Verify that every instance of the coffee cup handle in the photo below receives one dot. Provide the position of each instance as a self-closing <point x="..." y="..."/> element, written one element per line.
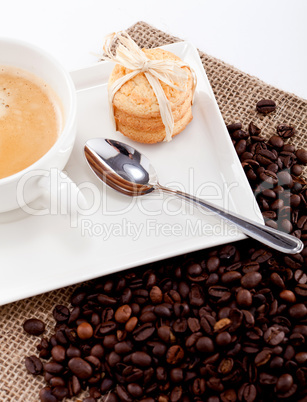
<point x="65" y="196"/>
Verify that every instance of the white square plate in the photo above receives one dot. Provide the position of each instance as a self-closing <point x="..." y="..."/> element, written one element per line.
<point x="41" y="253"/>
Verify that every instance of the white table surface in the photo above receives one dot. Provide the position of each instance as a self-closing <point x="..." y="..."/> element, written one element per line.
<point x="265" y="38"/>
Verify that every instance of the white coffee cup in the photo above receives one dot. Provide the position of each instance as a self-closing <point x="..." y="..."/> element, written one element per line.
<point x="20" y="189"/>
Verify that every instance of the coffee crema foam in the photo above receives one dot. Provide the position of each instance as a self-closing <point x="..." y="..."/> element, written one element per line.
<point x="30" y="119"/>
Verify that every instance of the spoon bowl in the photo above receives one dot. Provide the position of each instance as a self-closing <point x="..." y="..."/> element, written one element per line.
<point x="120" y="166"/>
<point x="128" y="171"/>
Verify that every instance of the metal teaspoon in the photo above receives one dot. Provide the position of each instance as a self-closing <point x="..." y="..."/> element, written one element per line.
<point x="128" y="171"/>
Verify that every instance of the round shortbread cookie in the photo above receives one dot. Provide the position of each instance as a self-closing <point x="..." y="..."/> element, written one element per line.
<point x="150" y="124"/>
<point x="135" y="106"/>
<point x="151" y="137"/>
<point x="136" y="97"/>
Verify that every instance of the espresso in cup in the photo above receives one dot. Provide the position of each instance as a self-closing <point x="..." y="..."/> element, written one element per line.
<point x="30" y="119"/>
<point x="41" y="125"/>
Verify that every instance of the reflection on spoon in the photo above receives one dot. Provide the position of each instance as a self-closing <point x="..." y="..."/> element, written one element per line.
<point x="128" y="171"/>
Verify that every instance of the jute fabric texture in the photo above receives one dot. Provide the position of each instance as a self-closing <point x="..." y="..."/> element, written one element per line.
<point x="237" y="94"/>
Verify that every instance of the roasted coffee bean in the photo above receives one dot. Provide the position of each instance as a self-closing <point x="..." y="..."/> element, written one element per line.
<point x="213" y="263"/>
<point x="105" y="328"/>
<point x="251" y="280"/>
<point x="251" y="266"/>
<point x="33" y="326"/>
<point x="180" y="325"/>
<point x="193" y="324"/>
<point x="141" y="359"/>
<point x="198" y="386"/>
<point x="123" y="313"/>
<point x="244" y="298"/>
<point x="174" y="354"/>
<point x="135" y="390"/>
<point x="239" y="135"/>
<point x="163" y="310"/>
<point x="205" y="345"/>
<point x="298" y="311"/>
<point x="266" y="106"/>
<point x="253" y="129"/>
<point x="301" y="155"/>
<point x="143" y="332"/>
<point x="231" y="277"/>
<point x="176" y="374"/>
<point x="131" y="324"/>
<point x="247" y="393"/>
<point x="80" y="368"/>
<point x="126" y="296"/>
<point x="229" y="395"/>
<point x="176" y="394"/>
<point x="276" y="141"/>
<point x="223" y="339"/>
<point x="194" y="270"/>
<point x="161" y="374"/>
<point x="222" y="324"/>
<point x="301" y="357"/>
<point x="107" y="314"/>
<point x="34" y="365"/>
<point x="58" y="353"/>
<point x="156" y="295"/>
<point x="45" y="395"/>
<point x="287" y="296"/>
<point x="89" y="399"/>
<point x="85" y="330"/>
<point x="267" y="379"/>
<point x="196" y="296"/>
<point x="268" y="177"/>
<point x="285" y="131"/>
<point x="123" y="347"/>
<point x="285" y="179"/>
<point x="302" y="222"/>
<point x="61" y="313"/>
<point x="57" y="382"/>
<point x="274" y="336"/>
<point x="261" y="256"/>
<point x="284" y="383"/>
<point x="73" y="351"/>
<point x="301" y="290"/>
<point x="296" y="170"/>
<point x="165" y="334"/>
<point x="183" y="289"/>
<point x="263" y="357"/>
<point x="140" y="295"/>
<point x="233" y="127"/>
<point x="94" y="392"/>
<point x="60" y="392"/>
<point x="74" y="386"/>
<point x="123" y="394"/>
<point x="240" y="147"/>
<point x="106" y="300"/>
<point x="106" y="384"/>
<point x="53" y="367"/>
<point x="226" y="366"/>
<point x="219" y="293"/>
<point x="227" y="252"/>
<point x="215" y="384"/>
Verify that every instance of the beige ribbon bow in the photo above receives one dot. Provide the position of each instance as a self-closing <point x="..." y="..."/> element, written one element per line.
<point x="129" y="55"/>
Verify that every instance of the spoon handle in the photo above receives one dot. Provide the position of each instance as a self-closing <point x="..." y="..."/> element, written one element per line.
<point x="271" y="237"/>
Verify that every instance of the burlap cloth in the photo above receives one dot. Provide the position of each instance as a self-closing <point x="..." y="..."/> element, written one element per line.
<point x="237" y="94"/>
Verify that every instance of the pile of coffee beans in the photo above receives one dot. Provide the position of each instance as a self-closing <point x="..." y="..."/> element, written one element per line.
<point x="227" y="324"/>
<point x="273" y="169"/>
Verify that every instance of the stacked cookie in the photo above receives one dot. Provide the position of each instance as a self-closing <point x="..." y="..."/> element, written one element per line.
<point x="135" y="106"/>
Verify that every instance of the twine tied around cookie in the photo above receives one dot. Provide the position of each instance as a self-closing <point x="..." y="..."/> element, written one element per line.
<point x="129" y="55"/>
